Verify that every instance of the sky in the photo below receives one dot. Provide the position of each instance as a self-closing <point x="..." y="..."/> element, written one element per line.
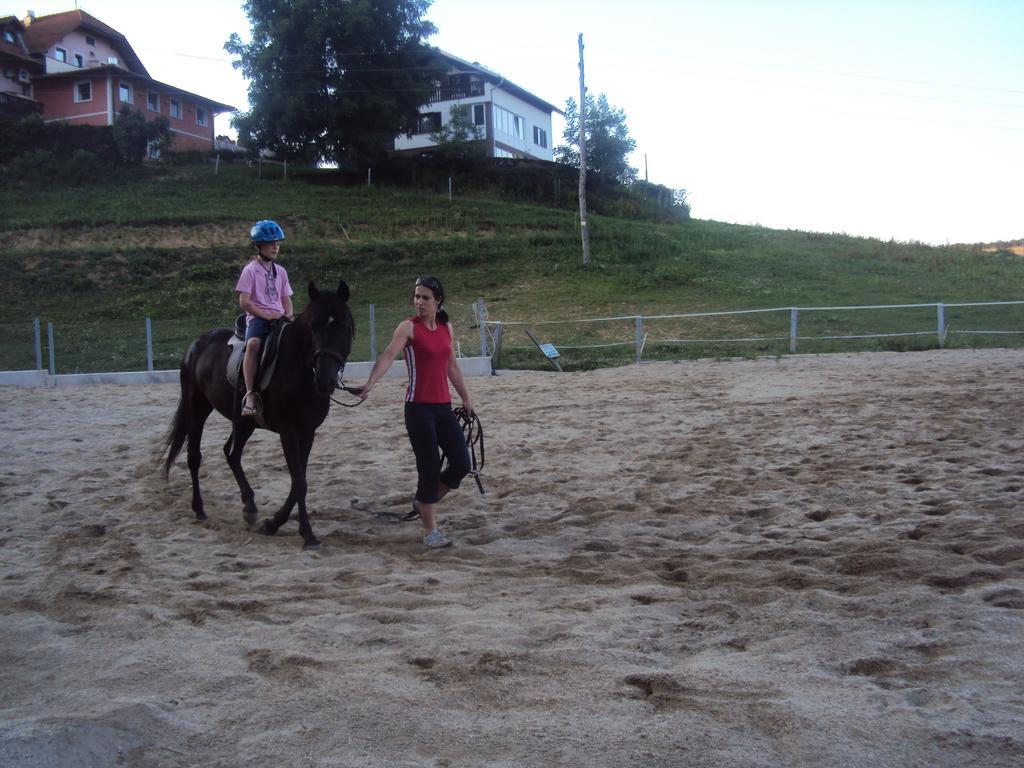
<point x="895" y="119"/>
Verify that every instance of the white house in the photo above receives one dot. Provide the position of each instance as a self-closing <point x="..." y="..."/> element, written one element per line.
<point x="512" y="121"/>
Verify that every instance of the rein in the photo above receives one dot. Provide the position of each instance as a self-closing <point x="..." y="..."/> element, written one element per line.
<point x="352" y="391"/>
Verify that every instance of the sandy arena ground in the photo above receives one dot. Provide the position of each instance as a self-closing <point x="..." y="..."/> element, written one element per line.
<point x="810" y="561"/>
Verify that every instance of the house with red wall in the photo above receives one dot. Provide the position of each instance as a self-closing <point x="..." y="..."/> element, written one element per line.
<point x="17" y="67"/>
<point x="90" y="71"/>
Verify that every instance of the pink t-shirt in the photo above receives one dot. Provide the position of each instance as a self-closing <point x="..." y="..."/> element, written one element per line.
<point x="266" y="286"/>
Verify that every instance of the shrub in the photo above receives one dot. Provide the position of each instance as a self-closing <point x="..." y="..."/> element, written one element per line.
<point x="31" y="165"/>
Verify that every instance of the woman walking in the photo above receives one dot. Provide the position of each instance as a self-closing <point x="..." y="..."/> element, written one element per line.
<point x="426" y="340"/>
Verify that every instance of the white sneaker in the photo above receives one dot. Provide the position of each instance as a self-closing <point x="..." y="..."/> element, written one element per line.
<point x="436" y="540"/>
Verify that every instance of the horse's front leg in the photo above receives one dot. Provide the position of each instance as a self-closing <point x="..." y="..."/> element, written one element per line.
<point x="299" y="486"/>
<point x="296" y="453"/>
<point x="233" y="451"/>
<point x="291" y="444"/>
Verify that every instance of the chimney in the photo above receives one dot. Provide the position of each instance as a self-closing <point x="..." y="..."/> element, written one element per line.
<point x="30" y="16"/>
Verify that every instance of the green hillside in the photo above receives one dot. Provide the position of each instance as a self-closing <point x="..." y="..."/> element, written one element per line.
<point x="96" y="260"/>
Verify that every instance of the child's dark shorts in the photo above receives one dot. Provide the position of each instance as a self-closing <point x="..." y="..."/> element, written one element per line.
<point x="258" y="328"/>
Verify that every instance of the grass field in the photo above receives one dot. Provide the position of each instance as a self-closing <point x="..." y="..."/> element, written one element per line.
<point x="95" y="261"/>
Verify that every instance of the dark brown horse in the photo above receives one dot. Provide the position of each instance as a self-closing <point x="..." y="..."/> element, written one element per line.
<point x="311" y="358"/>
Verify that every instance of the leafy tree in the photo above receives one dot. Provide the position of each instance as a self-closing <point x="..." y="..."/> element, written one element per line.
<point x="133" y="133"/>
<point x="608" y="139"/>
<point x="459" y="138"/>
<point x="333" y="81"/>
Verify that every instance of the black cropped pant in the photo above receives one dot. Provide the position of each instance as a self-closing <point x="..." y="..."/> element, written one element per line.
<point x="433" y="428"/>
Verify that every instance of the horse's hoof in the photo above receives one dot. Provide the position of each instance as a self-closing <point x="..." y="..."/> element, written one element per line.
<point x="267" y="528"/>
<point x="314" y="544"/>
<point x="200" y="515"/>
<point x="251" y="520"/>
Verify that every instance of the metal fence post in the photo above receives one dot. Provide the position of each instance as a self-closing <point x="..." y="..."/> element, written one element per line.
<point x="481" y="321"/>
<point x="369" y="176"/>
<point x="39" y="344"/>
<point x="639" y="346"/>
<point x="373" y="334"/>
<point x="149" y="344"/>
<point x="793" y="315"/>
<point x="496" y="353"/>
<point x="941" y="311"/>
<point x="49" y="344"/>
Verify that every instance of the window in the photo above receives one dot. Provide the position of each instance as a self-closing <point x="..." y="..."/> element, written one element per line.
<point x="200" y="116"/>
<point x="176" y="108"/>
<point x="90" y="40"/>
<point x="124" y="92"/>
<point x="540" y="137"/>
<point x="508" y="122"/>
<point x="153" y="102"/>
<point x="60" y="54"/>
<point x="478" y="115"/>
<point x="429" y="122"/>
<point x="503" y="153"/>
<point x="83" y="91"/>
<point x="8" y="36"/>
<point x="112" y="60"/>
<point x="79" y="61"/>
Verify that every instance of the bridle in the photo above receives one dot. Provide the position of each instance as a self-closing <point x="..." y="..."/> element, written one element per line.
<point x="330" y="353"/>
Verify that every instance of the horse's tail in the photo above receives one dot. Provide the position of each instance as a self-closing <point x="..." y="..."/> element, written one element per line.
<point x="178" y="432"/>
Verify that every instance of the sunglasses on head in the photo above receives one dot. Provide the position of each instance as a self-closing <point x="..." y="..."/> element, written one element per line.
<point x="430" y="282"/>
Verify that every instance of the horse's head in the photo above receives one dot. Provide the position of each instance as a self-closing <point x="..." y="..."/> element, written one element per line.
<point x="332" y="327"/>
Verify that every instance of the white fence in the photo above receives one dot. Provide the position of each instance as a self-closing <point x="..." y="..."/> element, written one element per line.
<point x="651" y="330"/>
<point x="127" y="346"/>
<point x="769" y="330"/>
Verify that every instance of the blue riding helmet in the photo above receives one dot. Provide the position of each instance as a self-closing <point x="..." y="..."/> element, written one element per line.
<point x="266" y="231"/>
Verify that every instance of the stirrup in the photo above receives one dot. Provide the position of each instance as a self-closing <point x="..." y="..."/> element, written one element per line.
<point x="255" y="410"/>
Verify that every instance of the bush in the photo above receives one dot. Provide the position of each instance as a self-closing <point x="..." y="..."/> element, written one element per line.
<point x="33" y="164"/>
<point x="83" y="167"/>
<point x="133" y="134"/>
<point x="529" y="181"/>
<point x="53" y="147"/>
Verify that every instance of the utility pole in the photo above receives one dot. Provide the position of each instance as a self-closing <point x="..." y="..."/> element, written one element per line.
<point x="584" y="230"/>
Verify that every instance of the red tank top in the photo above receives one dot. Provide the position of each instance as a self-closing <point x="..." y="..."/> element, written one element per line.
<point x="426" y="359"/>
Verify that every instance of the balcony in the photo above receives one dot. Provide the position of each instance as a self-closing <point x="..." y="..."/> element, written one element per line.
<point x="15" y="107"/>
<point x="457" y="92"/>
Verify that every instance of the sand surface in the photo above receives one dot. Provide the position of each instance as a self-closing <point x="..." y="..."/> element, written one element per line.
<point x="794" y="562"/>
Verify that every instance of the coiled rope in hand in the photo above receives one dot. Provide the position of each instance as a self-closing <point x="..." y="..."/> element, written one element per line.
<point x="473" y="431"/>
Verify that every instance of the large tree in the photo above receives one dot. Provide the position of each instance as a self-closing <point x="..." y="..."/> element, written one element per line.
<point x="608" y="140"/>
<point x="335" y="80"/>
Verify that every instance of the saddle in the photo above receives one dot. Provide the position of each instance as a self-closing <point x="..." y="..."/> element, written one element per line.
<point x="268" y="355"/>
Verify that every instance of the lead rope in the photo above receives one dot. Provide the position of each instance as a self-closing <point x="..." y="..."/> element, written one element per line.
<point x="357" y="391"/>
<point x="474" y="433"/>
